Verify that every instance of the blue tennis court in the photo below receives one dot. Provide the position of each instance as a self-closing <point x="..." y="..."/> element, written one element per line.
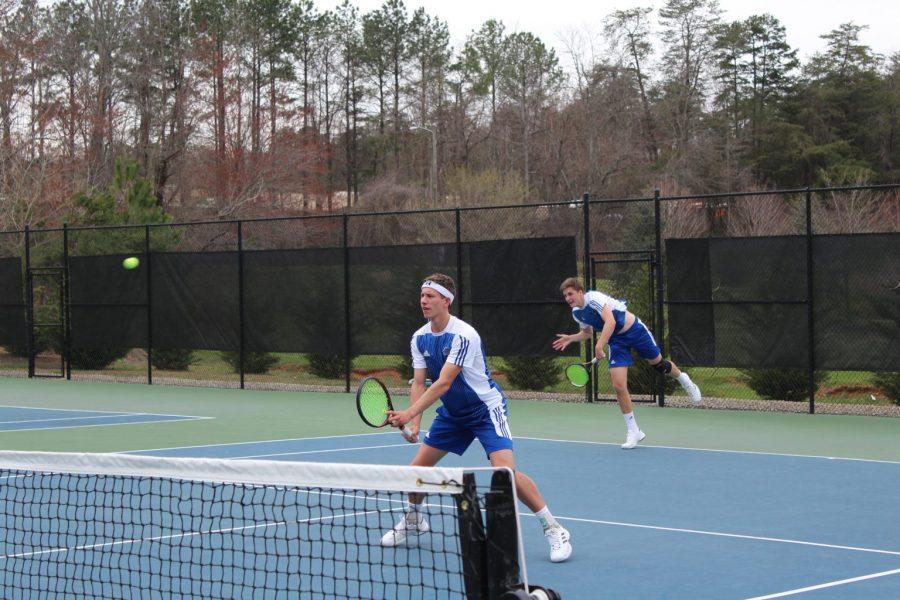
<point x="697" y="511"/>
<point x="678" y="523"/>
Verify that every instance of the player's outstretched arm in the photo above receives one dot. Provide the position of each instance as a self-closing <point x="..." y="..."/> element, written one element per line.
<point x="417" y="388"/>
<point x="563" y="340"/>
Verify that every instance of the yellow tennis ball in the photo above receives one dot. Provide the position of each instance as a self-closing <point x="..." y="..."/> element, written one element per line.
<point x="131" y="262"/>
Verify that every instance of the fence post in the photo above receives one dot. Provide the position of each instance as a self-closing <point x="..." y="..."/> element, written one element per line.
<point x="347" y="360"/>
<point x="240" y="244"/>
<point x="811" y="352"/>
<point x="586" y="270"/>
<point x="149" y="281"/>
<point x="29" y="304"/>
<point x="459" y="284"/>
<point x="66" y="312"/>
<point x="661" y="318"/>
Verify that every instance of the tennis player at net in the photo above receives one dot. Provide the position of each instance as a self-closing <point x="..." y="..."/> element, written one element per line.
<point x="450" y="352"/>
<point x="619" y="328"/>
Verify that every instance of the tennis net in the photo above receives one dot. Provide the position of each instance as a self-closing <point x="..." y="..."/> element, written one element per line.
<point x="126" y="526"/>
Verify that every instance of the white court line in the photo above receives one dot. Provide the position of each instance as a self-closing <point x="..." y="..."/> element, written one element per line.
<point x="872" y="460"/>
<point x="826" y="585"/>
<point x="104" y="413"/>
<point x="728" y="535"/>
<point x="519" y="437"/>
<point x="109" y="416"/>
<point x="59" y="409"/>
<point x="176" y="420"/>
<point x="221" y="444"/>
<point x="320" y="451"/>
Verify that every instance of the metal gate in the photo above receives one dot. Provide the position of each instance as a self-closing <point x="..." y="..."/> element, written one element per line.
<point x="631" y="272"/>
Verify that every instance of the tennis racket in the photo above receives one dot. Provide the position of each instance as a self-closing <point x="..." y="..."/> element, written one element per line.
<point x="578" y="374"/>
<point x="373" y="401"/>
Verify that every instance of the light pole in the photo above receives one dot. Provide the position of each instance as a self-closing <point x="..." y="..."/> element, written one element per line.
<point x="433" y="170"/>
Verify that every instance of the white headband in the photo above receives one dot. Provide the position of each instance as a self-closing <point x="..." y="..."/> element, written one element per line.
<point x="439" y="289"/>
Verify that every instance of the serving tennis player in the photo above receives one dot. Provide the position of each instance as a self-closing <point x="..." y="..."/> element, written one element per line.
<point x="449" y="351"/>
<point x="619" y="328"/>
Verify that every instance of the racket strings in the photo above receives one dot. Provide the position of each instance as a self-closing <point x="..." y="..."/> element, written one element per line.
<point x="577" y="375"/>
<point x="373" y="403"/>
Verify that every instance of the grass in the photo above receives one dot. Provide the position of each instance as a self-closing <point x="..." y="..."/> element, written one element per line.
<point x="840" y="387"/>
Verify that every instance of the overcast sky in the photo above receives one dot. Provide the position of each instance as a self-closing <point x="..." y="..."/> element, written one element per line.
<point x="553" y="21"/>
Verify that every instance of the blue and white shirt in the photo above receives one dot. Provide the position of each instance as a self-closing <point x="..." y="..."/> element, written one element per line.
<point x="461" y="345"/>
<point x="589" y="314"/>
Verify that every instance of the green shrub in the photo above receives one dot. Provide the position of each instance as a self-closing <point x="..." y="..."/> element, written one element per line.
<point x="91" y="359"/>
<point x="327" y="366"/>
<point x="254" y="362"/>
<point x="22" y="351"/>
<point x="890" y="385"/>
<point x="405" y="368"/>
<point x="532" y="372"/>
<point x="641" y="377"/>
<point x="44" y="338"/>
<point x="176" y="359"/>
<point x="781" y="384"/>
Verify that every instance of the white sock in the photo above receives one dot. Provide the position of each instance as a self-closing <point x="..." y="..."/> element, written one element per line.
<point x="684" y="380"/>
<point x="630" y="422"/>
<point x="545" y="518"/>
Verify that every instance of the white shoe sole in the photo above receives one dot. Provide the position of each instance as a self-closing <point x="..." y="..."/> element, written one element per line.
<point x="390" y="541"/>
<point x="696" y="396"/>
<point x="565" y="556"/>
<point x="627" y="446"/>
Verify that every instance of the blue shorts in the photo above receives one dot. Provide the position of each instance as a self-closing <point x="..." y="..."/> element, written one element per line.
<point x="454" y="434"/>
<point x="638" y="338"/>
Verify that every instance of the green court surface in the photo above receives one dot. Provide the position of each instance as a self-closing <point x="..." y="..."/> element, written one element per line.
<point x="243" y="416"/>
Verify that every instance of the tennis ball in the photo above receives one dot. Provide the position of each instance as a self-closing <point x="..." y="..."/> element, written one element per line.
<point x="131" y="262"/>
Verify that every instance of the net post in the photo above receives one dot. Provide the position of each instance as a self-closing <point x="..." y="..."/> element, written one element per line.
<point x="502" y="548"/>
<point x="472" y="540"/>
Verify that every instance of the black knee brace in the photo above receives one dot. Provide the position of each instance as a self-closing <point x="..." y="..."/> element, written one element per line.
<point x="663" y="366"/>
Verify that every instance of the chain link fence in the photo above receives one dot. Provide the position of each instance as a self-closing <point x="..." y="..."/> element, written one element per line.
<point x="783" y="299"/>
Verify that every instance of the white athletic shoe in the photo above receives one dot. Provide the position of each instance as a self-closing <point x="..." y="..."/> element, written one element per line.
<point x="407" y="525"/>
<point x="632" y="438"/>
<point x="558" y="538"/>
<point x="693" y="392"/>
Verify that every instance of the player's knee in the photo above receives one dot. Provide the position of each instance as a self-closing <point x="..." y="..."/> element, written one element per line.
<point x="664" y="366"/>
<point x="620" y="386"/>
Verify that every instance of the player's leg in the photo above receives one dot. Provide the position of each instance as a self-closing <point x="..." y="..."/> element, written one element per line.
<point x="527" y="491"/>
<point x="619" y="377"/>
<point x="494" y="434"/>
<point x="667" y="367"/>
<point x="427" y="456"/>
<point x="443" y="436"/>
<point x="643" y="342"/>
<point x="633" y="433"/>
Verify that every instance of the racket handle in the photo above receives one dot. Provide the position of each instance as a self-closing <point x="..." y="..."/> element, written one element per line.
<point x="407" y="431"/>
